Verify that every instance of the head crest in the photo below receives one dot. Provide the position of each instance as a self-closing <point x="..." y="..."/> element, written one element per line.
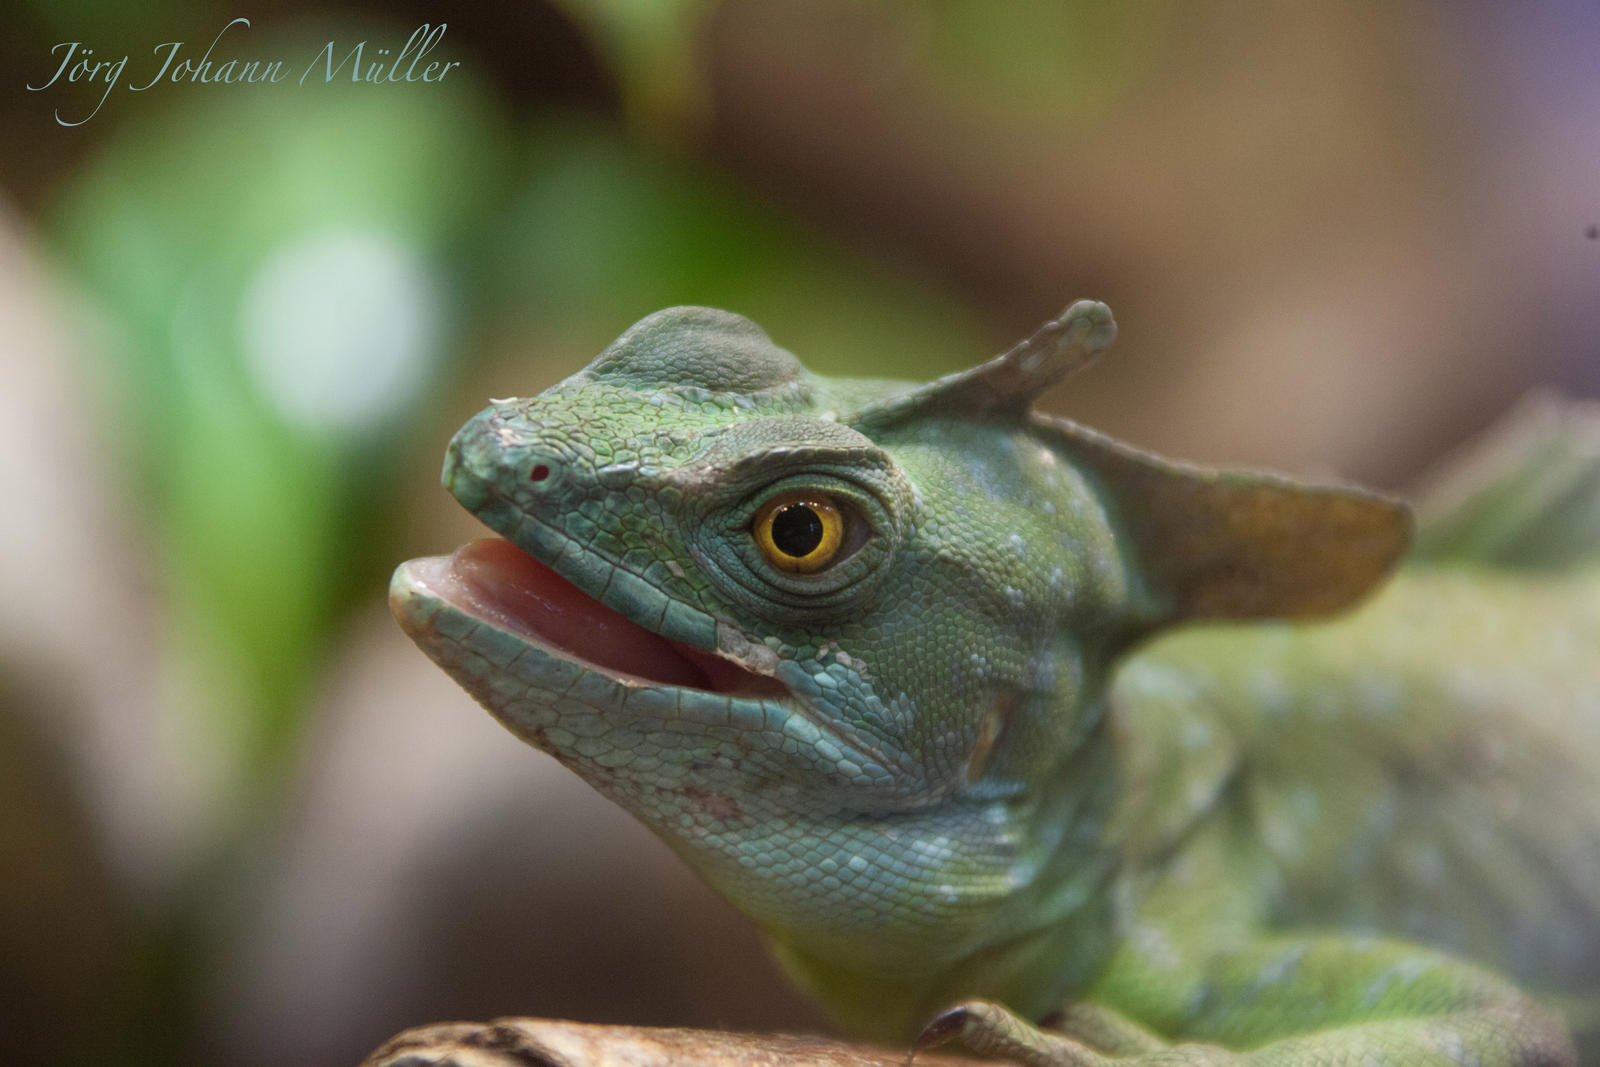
<point x="1238" y="544"/>
<point x="698" y="347"/>
<point x="1008" y="383"/>
<point x="1207" y="544"/>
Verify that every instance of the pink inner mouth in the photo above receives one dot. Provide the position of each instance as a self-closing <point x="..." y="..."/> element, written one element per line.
<point x="498" y="580"/>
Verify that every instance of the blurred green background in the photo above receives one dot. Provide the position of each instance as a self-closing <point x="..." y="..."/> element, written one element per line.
<point x="243" y="822"/>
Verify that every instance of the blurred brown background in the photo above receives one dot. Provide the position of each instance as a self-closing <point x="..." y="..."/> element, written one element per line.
<point x="243" y="821"/>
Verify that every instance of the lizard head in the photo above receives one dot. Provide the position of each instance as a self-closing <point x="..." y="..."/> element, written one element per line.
<point x="843" y="644"/>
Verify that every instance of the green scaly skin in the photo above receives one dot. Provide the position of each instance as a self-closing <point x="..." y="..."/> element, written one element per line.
<point x="944" y="773"/>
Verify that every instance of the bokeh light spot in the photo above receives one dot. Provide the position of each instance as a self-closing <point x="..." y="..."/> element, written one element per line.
<point x="340" y="328"/>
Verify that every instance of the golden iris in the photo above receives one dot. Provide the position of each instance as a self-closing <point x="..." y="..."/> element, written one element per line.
<point x="799" y="531"/>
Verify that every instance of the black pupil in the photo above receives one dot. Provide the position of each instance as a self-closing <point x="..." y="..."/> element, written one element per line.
<point x="796" y="530"/>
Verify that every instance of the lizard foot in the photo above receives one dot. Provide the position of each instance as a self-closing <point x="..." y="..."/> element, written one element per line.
<point x="1088" y="1036"/>
<point x="990" y="1030"/>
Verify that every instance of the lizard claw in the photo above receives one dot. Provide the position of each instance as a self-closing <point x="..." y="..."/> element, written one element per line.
<point x="941" y="1029"/>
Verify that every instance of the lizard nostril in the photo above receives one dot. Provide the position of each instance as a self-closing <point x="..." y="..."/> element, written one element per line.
<point x="539" y="473"/>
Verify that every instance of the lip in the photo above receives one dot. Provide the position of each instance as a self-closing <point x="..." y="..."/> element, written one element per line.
<point x="493" y="582"/>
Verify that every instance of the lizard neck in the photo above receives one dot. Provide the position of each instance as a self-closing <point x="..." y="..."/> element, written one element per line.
<point x="1028" y="948"/>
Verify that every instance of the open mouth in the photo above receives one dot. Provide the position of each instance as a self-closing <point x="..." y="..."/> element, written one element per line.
<point x="497" y="582"/>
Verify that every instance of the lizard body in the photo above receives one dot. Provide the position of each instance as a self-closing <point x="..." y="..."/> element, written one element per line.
<point x="880" y="662"/>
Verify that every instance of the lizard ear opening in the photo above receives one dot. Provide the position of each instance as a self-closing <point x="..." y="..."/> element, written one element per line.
<point x="1008" y="383"/>
<point x="1233" y="545"/>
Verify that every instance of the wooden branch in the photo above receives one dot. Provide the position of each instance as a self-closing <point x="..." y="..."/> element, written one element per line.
<point x="555" y="1043"/>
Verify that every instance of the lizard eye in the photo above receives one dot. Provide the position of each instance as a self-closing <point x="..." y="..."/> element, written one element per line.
<point x="801" y="532"/>
<point x="803" y="544"/>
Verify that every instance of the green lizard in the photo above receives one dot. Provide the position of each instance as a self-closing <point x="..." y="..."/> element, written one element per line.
<point x="880" y="662"/>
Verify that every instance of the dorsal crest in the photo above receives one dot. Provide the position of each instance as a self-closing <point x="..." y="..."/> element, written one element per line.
<point x="1009" y="383"/>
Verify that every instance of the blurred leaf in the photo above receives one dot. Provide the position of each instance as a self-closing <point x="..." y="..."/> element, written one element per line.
<point x="651" y="47"/>
<point x="1046" y="60"/>
<point x="604" y="233"/>
<point x="218" y="235"/>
